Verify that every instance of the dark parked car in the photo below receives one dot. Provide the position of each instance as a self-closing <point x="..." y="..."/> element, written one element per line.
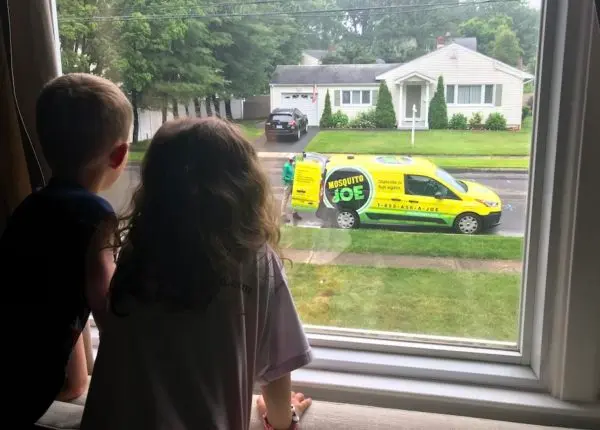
<point x="286" y="122"/>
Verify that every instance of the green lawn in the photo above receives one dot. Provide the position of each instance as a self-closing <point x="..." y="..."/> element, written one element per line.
<point x="447" y="303"/>
<point x="521" y="163"/>
<point x="433" y="142"/>
<point x="252" y="128"/>
<point x="399" y="243"/>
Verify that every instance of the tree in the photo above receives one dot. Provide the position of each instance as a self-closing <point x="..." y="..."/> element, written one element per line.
<point x="506" y="46"/>
<point x="438" y="110"/>
<point x="385" y="117"/>
<point x="326" y="118"/>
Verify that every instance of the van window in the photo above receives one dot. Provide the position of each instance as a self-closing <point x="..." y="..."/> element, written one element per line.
<point x="416" y="185"/>
<point x="448" y="178"/>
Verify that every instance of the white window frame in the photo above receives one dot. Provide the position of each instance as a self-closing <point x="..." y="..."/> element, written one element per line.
<point x="555" y="364"/>
<point x="351" y="104"/>
<point x="481" y="98"/>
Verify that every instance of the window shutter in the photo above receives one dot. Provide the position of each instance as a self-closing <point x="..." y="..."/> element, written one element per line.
<point x="498" y="95"/>
<point x="336" y="98"/>
<point x="374" y="97"/>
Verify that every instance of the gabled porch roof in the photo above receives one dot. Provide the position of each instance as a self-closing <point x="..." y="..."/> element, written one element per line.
<point x="415" y="75"/>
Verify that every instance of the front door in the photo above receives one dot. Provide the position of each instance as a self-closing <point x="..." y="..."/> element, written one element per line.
<point x="413" y="98"/>
<point x="428" y="201"/>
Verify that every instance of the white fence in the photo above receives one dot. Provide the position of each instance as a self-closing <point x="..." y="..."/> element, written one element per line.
<point x="151" y="120"/>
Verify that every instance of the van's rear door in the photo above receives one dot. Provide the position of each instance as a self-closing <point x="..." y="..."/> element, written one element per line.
<point x="308" y="177"/>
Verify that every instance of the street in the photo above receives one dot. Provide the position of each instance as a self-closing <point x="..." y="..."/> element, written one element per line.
<point x="511" y="187"/>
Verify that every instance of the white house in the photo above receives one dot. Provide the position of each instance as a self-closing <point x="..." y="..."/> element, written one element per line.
<point x="474" y="83"/>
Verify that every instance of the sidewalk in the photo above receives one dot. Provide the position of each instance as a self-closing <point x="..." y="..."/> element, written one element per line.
<point x="401" y="261"/>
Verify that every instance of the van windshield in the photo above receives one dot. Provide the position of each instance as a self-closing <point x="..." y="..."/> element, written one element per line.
<point x="451" y="180"/>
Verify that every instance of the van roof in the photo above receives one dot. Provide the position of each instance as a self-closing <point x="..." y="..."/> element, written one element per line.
<point x="404" y="162"/>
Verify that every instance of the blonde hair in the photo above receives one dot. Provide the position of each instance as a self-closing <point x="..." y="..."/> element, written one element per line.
<point x="203" y="208"/>
<point x="78" y="116"/>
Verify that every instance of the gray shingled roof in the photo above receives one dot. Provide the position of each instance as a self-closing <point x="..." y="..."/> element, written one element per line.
<point x="330" y="74"/>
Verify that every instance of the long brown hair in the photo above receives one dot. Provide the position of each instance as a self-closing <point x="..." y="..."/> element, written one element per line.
<point x="204" y="207"/>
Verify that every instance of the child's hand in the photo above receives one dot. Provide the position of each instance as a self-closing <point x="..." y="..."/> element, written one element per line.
<point x="300" y="403"/>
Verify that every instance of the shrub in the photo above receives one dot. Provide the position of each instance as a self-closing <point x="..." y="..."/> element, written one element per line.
<point x="339" y="120"/>
<point x="525" y="112"/>
<point x="458" y="122"/>
<point x="364" y="120"/>
<point x="496" y="121"/>
<point x="530" y="102"/>
<point x="325" y="121"/>
<point x="475" y="123"/>
<point x="438" y="110"/>
<point x="385" y="117"/>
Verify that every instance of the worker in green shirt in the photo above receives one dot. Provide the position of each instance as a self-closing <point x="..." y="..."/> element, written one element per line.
<point x="288" y="183"/>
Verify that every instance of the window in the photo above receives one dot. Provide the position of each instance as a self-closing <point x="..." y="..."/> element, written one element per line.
<point x="346" y="100"/>
<point x="366" y="97"/>
<point x="450" y="94"/>
<point x="489" y="94"/>
<point x="424" y="186"/>
<point x="475" y="317"/>
<point x="356" y="97"/>
<point x="470" y="94"/>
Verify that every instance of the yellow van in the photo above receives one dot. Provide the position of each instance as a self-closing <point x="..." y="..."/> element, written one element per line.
<point x="350" y="190"/>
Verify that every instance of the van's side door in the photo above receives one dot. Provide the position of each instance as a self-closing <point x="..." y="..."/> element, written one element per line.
<point x="306" y="191"/>
<point x="428" y="201"/>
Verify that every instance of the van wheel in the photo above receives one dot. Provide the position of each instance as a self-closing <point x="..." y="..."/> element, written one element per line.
<point x="468" y="223"/>
<point x="347" y="219"/>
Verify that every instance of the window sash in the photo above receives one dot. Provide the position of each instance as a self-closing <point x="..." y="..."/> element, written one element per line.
<point x="558" y="274"/>
<point x="353" y="97"/>
<point x="470" y="94"/>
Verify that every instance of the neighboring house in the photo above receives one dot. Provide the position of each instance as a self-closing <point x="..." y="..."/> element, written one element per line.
<point x="474" y="83"/>
<point x="313" y="57"/>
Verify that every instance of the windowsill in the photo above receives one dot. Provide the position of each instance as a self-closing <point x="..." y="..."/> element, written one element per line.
<point x="508" y="392"/>
<point x="447" y="398"/>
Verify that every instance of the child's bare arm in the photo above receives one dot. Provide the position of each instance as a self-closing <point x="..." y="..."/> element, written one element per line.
<point x="276" y="401"/>
<point x="76" y="379"/>
<point x="99" y="271"/>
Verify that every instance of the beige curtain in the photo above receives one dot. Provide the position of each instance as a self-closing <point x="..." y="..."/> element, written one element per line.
<point x="27" y="32"/>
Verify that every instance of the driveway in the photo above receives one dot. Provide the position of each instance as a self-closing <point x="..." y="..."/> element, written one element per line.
<point x="286" y="145"/>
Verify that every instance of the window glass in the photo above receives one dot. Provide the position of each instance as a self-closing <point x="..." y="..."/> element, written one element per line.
<point x="346" y="97"/>
<point x="366" y="97"/>
<point x="242" y="60"/>
<point x="489" y="94"/>
<point x="469" y="94"/>
<point x="450" y="94"/>
<point x="416" y="185"/>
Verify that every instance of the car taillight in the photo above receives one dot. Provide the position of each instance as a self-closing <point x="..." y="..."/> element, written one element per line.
<point x="292" y="123"/>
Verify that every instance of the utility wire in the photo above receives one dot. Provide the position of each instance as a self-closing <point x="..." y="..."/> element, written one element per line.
<point x="312" y="13"/>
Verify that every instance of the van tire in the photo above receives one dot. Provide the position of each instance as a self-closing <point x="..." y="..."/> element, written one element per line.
<point x="346" y="219"/>
<point x="468" y="223"/>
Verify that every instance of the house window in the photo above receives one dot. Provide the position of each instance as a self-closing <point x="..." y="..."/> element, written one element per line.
<point x="470" y="94"/>
<point x="488" y="97"/>
<point x="346" y="97"/>
<point x="356" y="97"/>
<point x="366" y="97"/>
<point x="450" y="91"/>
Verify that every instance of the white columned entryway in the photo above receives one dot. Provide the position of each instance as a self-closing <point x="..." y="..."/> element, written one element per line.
<point x="427" y="84"/>
<point x="399" y="114"/>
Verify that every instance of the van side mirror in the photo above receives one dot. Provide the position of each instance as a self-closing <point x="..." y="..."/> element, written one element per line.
<point x="439" y="195"/>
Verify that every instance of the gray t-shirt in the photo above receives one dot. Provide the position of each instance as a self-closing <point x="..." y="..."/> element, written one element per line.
<point x="167" y="370"/>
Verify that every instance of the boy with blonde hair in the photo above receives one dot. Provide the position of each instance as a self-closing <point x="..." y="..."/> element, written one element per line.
<point x="54" y="251"/>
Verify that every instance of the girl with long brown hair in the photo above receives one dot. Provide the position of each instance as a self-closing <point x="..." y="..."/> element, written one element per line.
<point x="200" y="308"/>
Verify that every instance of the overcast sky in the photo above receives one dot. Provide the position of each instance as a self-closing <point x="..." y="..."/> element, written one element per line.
<point x="535" y="3"/>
